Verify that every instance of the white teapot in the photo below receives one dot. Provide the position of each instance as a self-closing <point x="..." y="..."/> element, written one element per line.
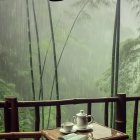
<point x="81" y="120"/>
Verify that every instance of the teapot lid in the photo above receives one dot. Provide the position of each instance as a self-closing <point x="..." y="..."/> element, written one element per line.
<point x="81" y="113"/>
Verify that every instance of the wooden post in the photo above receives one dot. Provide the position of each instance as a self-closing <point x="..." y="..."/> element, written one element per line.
<point x="89" y="105"/>
<point x="7" y="116"/>
<point x="11" y="115"/>
<point x="121" y="113"/>
<point x="58" y="116"/>
<point x="37" y="118"/>
<point x="14" y="115"/>
<point x="135" y="120"/>
<point x="106" y="114"/>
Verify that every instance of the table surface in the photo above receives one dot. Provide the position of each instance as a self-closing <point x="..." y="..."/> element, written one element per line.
<point x="98" y="132"/>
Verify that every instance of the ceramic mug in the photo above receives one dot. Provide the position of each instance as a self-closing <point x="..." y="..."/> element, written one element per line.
<point x="67" y="126"/>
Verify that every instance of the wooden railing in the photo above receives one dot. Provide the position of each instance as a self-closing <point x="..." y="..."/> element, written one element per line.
<point x="16" y="135"/>
<point x="11" y="106"/>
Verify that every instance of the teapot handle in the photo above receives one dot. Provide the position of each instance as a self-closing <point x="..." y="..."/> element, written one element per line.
<point x="92" y="119"/>
<point x="62" y="125"/>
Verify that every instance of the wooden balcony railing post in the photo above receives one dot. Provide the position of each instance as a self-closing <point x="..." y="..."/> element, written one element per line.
<point x="106" y="114"/>
<point x="89" y="105"/>
<point x="135" y="120"/>
<point x="11" y="115"/>
<point x="14" y="115"/>
<point x="37" y="118"/>
<point x="58" y="116"/>
<point x="121" y="113"/>
<point x="7" y="116"/>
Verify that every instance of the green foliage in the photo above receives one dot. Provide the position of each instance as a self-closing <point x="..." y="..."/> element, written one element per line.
<point x="128" y="69"/>
<point x="25" y="115"/>
<point x="52" y="119"/>
<point x="6" y="89"/>
<point x="129" y="76"/>
<point x="104" y="83"/>
<point x="77" y="85"/>
<point x="26" y="119"/>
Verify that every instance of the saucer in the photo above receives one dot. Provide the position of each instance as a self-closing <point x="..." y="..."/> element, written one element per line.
<point x="89" y="128"/>
<point x="67" y="132"/>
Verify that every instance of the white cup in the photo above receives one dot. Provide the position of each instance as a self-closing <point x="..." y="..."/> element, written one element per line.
<point x="67" y="126"/>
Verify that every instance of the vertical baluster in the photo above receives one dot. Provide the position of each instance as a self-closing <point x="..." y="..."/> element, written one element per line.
<point x="135" y="120"/>
<point x="58" y="116"/>
<point x="37" y="118"/>
<point x="14" y="115"/>
<point x="89" y="110"/>
<point x="106" y="114"/>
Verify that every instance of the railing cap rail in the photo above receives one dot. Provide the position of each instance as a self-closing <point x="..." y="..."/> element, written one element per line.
<point x="66" y="101"/>
<point x="69" y="101"/>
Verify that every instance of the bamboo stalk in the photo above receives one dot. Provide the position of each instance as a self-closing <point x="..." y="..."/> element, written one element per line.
<point x="68" y="36"/>
<point x="41" y="93"/>
<point x="38" y="47"/>
<point x="117" y="49"/>
<point x="117" y="56"/>
<point x="48" y="122"/>
<point x="113" y="67"/>
<point x="45" y="59"/>
<point x="113" y="54"/>
<point x="54" y="51"/>
<point x="30" y="48"/>
<point x="64" y="49"/>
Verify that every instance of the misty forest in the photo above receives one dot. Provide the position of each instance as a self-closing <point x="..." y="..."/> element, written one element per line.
<point x="63" y="50"/>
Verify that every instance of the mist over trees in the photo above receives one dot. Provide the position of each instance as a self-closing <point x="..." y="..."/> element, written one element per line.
<point x="88" y="49"/>
<point x="83" y="31"/>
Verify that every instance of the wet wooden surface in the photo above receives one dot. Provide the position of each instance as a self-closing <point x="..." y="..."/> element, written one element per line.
<point x="97" y="132"/>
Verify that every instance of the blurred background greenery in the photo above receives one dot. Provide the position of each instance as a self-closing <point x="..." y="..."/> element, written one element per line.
<point x="83" y="37"/>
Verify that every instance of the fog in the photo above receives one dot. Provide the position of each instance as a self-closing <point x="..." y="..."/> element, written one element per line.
<point x="87" y="54"/>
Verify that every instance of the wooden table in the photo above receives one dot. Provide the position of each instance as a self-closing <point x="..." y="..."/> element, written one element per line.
<point x="98" y="132"/>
